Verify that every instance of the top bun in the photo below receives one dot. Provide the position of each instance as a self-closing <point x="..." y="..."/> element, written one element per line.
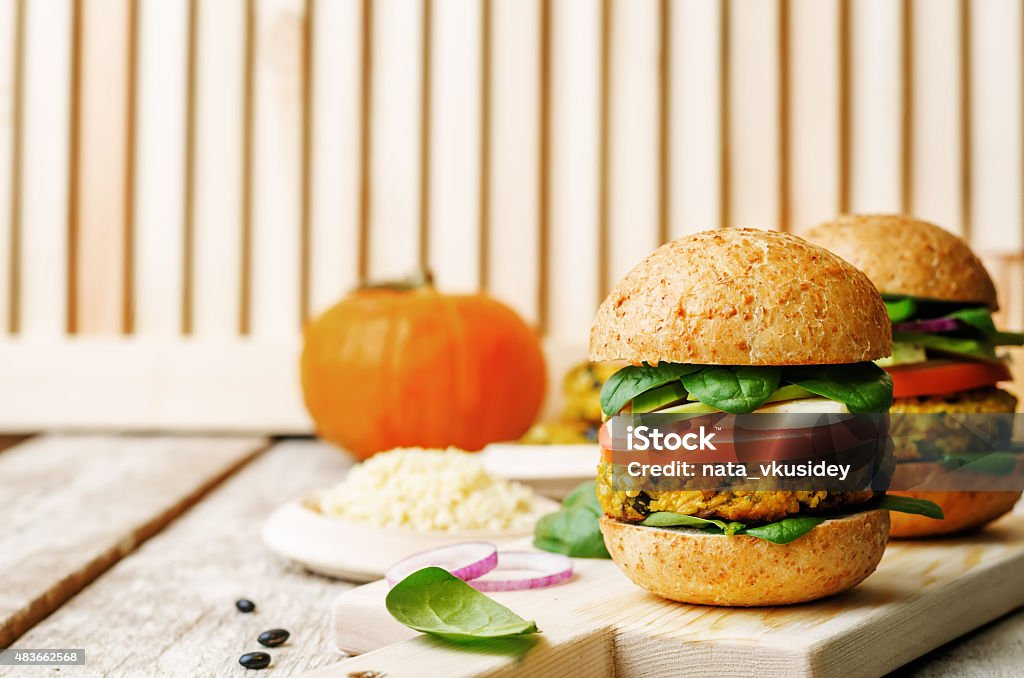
<point x="740" y="296"/>
<point x="902" y="255"/>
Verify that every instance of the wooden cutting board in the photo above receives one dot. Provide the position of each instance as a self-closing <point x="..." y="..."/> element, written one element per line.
<point x="599" y="624"/>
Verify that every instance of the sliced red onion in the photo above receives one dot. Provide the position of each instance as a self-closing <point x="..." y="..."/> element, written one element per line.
<point x="466" y="560"/>
<point x="541" y="570"/>
<point x="931" y="325"/>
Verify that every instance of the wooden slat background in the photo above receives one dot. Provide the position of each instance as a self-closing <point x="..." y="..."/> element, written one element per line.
<point x="184" y="182"/>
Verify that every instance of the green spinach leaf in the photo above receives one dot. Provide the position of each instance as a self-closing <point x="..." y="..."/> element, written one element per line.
<point x="920" y="507"/>
<point x="434" y="601"/>
<point x="980" y="319"/>
<point x="670" y="519"/>
<point x="584" y="494"/>
<point x="785" y="530"/>
<point x="633" y="380"/>
<point x="989" y="463"/>
<point x="900" y="308"/>
<point x="574" y="530"/>
<point x="977" y="317"/>
<point x="735" y="389"/>
<point x="862" y="387"/>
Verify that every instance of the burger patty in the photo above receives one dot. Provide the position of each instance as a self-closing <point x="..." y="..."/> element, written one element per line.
<point x="977" y="401"/>
<point x="633" y="505"/>
<point x="931" y="438"/>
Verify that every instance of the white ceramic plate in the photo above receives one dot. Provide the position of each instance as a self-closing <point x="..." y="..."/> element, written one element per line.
<point x="551" y="470"/>
<point x="361" y="553"/>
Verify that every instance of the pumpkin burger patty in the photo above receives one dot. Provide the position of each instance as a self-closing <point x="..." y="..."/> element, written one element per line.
<point x="745" y="506"/>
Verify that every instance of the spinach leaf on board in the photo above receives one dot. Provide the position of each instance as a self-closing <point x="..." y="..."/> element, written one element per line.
<point x="574" y="530"/>
<point x="920" y="507"/>
<point x="633" y="380"/>
<point x="434" y="601"/>
<point x="670" y="519"/>
<point x="784" y="531"/>
<point x="862" y="387"/>
<point x="734" y="389"/>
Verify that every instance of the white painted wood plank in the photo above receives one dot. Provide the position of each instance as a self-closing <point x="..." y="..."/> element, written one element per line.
<point x="935" y="122"/>
<point x="102" y="127"/>
<point x="8" y="20"/>
<point x="160" y="166"/>
<point x="876" y="163"/>
<point x="44" y="202"/>
<point x="144" y="384"/>
<point x="754" y="113"/>
<point x="75" y="505"/>
<point x="575" y="167"/>
<point x="334" y="210"/>
<point x="695" y="126"/>
<point x="277" y="168"/>
<point x="396" y="107"/>
<point x="248" y="385"/>
<point x="814" y="112"/>
<point x="997" y="125"/>
<point x="454" y="216"/>
<point x="219" y="136"/>
<point x="634" y="135"/>
<point x="515" y="148"/>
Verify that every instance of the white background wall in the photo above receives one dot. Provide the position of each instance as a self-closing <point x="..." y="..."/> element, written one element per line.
<point x="183" y="182"/>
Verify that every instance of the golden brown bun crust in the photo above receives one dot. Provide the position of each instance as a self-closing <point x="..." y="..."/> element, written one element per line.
<point x="740" y="296"/>
<point x="903" y="255"/>
<point x="693" y="567"/>
<point x="964" y="511"/>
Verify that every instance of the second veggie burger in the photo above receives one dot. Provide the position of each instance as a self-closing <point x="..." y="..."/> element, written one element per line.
<point x="741" y="321"/>
<point x="939" y="297"/>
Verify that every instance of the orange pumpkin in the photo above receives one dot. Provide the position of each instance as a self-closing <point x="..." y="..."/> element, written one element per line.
<point x="390" y="367"/>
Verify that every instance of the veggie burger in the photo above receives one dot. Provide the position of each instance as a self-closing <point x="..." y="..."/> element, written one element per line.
<point x="940" y="298"/>
<point x="743" y="321"/>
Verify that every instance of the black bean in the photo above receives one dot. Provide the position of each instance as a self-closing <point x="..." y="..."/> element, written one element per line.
<point x="255" y="660"/>
<point x="273" y="637"/>
<point x="245" y="605"/>
<point x="641" y="503"/>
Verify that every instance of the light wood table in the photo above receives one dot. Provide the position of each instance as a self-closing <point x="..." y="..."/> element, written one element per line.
<point x="135" y="549"/>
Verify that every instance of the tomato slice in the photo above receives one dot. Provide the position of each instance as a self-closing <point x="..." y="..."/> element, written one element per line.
<point x="942" y="377"/>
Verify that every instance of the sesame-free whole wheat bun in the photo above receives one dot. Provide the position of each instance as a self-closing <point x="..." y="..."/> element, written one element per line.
<point x="740" y="296"/>
<point x="903" y="255"/>
<point x="691" y="566"/>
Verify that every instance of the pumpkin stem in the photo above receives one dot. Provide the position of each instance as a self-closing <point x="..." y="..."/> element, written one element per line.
<point x="418" y="279"/>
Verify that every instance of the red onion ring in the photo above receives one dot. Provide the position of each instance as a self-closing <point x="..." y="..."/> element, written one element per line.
<point x="550" y="569"/>
<point x="466" y="560"/>
<point x="930" y="325"/>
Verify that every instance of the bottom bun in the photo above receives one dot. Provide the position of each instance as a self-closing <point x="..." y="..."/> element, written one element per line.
<point x="963" y="510"/>
<point x="691" y="566"/>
